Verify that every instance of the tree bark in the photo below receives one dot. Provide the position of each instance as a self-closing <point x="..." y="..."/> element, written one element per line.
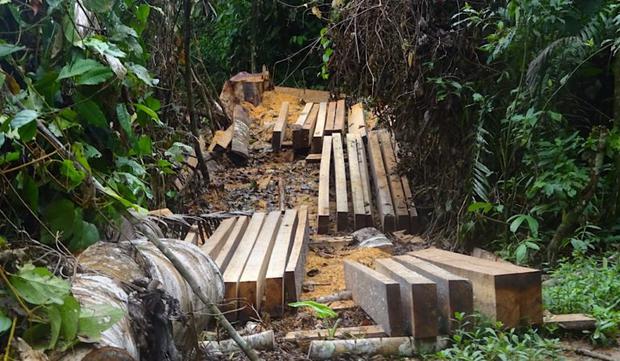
<point x="194" y="126"/>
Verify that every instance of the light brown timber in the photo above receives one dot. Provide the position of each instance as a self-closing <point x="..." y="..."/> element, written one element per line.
<point x="339" y="123"/>
<point x="363" y="160"/>
<point x="324" y="180"/>
<point x="396" y="186"/>
<point x="340" y="172"/>
<point x="319" y="129"/>
<point x="294" y="272"/>
<point x="360" y="217"/>
<point x="214" y="244"/>
<point x="331" y="118"/>
<point x="357" y="123"/>
<point x="279" y="128"/>
<point x="301" y="139"/>
<point x="230" y="247"/>
<point x="381" y="183"/>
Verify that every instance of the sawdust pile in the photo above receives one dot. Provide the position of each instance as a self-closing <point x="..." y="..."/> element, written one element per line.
<point x="267" y="112"/>
<point x="330" y="276"/>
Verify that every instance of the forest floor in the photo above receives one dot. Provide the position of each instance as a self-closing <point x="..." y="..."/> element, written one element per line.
<point x="259" y="186"/>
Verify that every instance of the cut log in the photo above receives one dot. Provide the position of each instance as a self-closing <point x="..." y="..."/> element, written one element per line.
<point x="239" y="152"/>
<point x="237" y="263"/>
<point x="381" y="183"/>
<point x="331" y="118"/>
<point x="357" y="123"/>
<point x="250" y="87"/>
<point x="214" y="244"/>
<point x="294" y="274"/>
<point x="361" y="219"/>
<point x="252" y="281"/>
<point x="319" y="129"/>
<point x="340" y="172"/>
<point x="418" y="297"/>
<point x="361" y="155"/>
<point x="396" y="186"/>
<point x="301" y="136"/>
<point x="393" y="347"/>
<point x="260" y="341"/>
<point x="279" y="129"/>
<point x="274" y="279"/>
<point x="339" y="123"/>
<point x="324" y="179"/>
<point x="504" y="292"/>
<point x="454" y="293"/>
<point x="572" y="321"/>
<point x="377" y="294"/>
<point x="230" y="247"/>
<point x="371" y="331"/>
<point x="221" y="140"/>
<point x="313" y="158"/>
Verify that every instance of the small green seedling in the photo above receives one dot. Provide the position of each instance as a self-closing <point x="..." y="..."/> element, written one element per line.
<point x="322" y="312"/>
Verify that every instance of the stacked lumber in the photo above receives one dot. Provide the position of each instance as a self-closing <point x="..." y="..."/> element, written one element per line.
<point x="261" y="259"/>
<point x="303" y="129"/>
<point x="330" y="119"/>
<point x="419" y="293"/>
<point x="361" y="196"/>
<point x="357" y="121"/>
<point x="279" y="128"/>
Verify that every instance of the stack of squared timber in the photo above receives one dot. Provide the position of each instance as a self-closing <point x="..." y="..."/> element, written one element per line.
<point x="418" y="294"/>
<point x="331" y="118"/>
<point x="303" y="129"/>
<point x="361" y="196"/>
<point x="261" y="259"/>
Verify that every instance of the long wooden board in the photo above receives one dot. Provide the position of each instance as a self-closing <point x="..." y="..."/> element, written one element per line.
<point x="331" y="118"/>
<point x="252" y="280"/>
<point x="237" y="263"/>
<point x="381" y="183"/>
<point x="357" y="123"/>
<point x="230" y="247"/>
<point x="300" y="137"/>
<point x="339" y="123"/>
<point x="363" y="160"/>
<point x="279" y="128"/>
<point x="274" y="279"/>
<point x="361" y="218"/>
<point x="294" y="273"/>
<point x="394" y="181"/>
<point x="418" y="297"/>
<point x="214" y="244"/>
<point x="319" y="129"/>
<point x="324" y="179"/>
<point x="377" y="294"/>
<point x="340" y="172"/>
<point x="454" y="293"/>
<point x="505" y="292"/>
<point x="310" y="124"/>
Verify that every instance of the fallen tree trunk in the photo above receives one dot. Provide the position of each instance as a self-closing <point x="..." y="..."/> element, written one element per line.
<point x="239" y="147"/>
<point x="260" y="341"/>
<point x="386" y="346"/>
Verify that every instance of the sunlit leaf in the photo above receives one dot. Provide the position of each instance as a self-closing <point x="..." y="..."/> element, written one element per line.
<point x="38" y="286"/>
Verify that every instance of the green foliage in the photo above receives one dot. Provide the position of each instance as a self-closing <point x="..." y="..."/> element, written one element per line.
<point x="320" y="310"/>
<point x="479" y="340"/>
<point x="56" y="319"/>
<point x="588" y="285"/>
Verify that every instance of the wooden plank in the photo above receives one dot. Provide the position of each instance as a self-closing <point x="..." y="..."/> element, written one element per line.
<point x="301" y="139"/>
<point x="361" y="155"/>
<point x="356" y="121"/>
<point x="396" y="186"/>
<point x="339" y="123"/>
<point x="377" y="294"/>
<point x="214" y="244"/>
<point x="252" y="280"/>
<point x="381" y="183"/>
<point x="341" y="332"/>
<point x="504" y="292"/>
<point x="571" y="321"/>
<point x="274" y="279"/>
<point x="418" y="297"/>
<point x="313" y="158"/>
<point x="454" y="293"/>
<point x="279" y="128"/>
<point x="324" y="179"/>
<point x="294" y="273"/>
<point x="237" y="263"/>
<point x="319" y="129"/>
<point x="331" y="118"/>
<point x="360" y="217"/>
<point x="230" y="247"/>
<point x="340" y="172"/>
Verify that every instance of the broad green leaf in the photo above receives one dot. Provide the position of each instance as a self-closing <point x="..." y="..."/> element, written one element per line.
<point x="70" y="314"/>
<point x="483" y="207"/>
<point x="38" y="286"/>
<point x="104" y="48"/>
<point x="94" y="76"/>
<point x="5" y="322"/>
<point x="521" y="253"/>
<point x="71" y="173"/>
<point x="321" y="310"/>
<point x="142" y="74"/>
<point x="144" y="146"/>
<point x="124" y="119"/>
<point x="29" y="188"/>
<point x="148" y="111"/>
<point x="79" y="67"/>
<point x="59" y="215"/>
<point x="99" y="6"/>
<point x="84" y="235"/>
<point x="90" y="112"/>
<point x="55" y="321"/>
<point x="24" y="118"/>
<point x="8" y="49"/>
<point x="96" y="319"/>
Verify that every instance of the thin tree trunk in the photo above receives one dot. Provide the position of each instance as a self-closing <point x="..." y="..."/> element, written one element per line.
<point x="194" y="126"/>
<point x="613" y="208"/>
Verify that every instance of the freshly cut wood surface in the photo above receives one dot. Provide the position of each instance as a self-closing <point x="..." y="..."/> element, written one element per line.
<point x="279" y="128"/>
<point x="339" y="123"/>
<point x="381" y="183"/>
<point x="396" y="186"/>
<point x="274" y="282"/>
<point x="294" y="273"/>
<point x="301" y="137"/>
<point x="504" y="292"/>
<point x="324" y="179"/>
<point x="221" y="140"/>
<point x="377" y="294"/>
<point x="454" y="293"/>
<point x="418" y="296"/>
<point x="214" y="244"/>
<point x="319" y="129"/>
<point x="331" y="118"/>
<point x="342" y="203"/>
<point x="357" y="123"/>
<point x="230" y="247"/>
<point x="360" y="217"/>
